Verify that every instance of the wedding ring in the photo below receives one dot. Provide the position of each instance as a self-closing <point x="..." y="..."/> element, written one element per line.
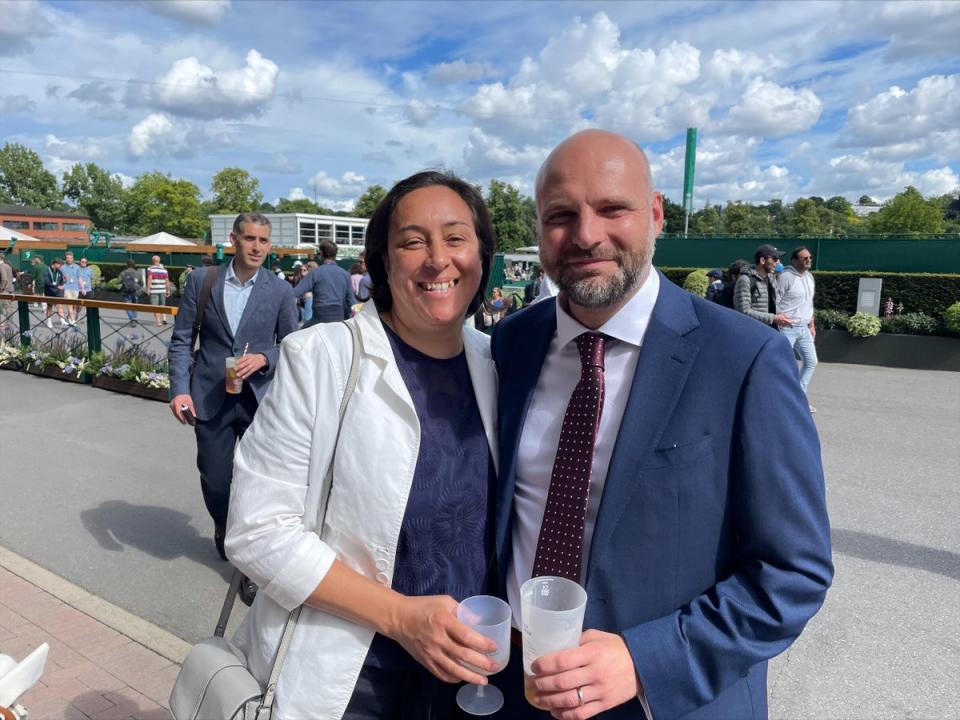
<point x="580" y="695"/>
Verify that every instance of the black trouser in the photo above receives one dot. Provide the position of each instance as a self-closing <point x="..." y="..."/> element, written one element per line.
<point x="216" y="442"/>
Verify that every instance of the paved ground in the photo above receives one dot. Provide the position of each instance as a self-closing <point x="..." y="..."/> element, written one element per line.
<point x="100" y="489"/>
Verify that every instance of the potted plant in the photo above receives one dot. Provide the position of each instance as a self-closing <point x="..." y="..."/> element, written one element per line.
<point x="133" y="371"/>
<point x="58" y="359"/>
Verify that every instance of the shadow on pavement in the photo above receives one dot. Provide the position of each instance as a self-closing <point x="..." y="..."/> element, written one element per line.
<point x="895" y="552"/>
<point x="161" y="532"/>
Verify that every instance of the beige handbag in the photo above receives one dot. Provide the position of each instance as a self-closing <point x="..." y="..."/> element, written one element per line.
<point x="214" y="682"/>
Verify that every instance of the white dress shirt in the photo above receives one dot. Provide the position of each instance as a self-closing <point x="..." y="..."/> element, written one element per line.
<point x="235" y="296"/>
<point x="541" y="429"/>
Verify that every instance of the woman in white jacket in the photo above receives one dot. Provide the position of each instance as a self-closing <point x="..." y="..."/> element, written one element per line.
<point x="406" y="533"/>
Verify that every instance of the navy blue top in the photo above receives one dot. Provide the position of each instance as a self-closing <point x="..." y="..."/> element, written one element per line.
<point x="447" y="534"/>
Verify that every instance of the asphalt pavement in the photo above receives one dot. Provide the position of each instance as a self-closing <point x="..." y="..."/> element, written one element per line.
<point x="101" y="490"/>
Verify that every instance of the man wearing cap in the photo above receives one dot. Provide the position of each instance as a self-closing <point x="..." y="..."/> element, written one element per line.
<point x="755" y="293"/>
<point x="716" y="285"/>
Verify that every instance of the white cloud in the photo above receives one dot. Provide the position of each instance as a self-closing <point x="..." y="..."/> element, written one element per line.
<point x="855" y="175"/>
<point x="95" y="91"/>
<point x="938" y="181"/>
<point x="23" y="21"/>
<point x="192" y="89"/>
<point x="419" y="113"/>
<point x="459" y="71"/>
<point x="16" y="104"/>
<point x="487" y="155"/>
<point x="732" y="66"/>
<point x="279" y="163"/>
<point x="920" y="28"/>
<point x="157" y="134"/>
<point x="899" y="124"/>
<point x="296" y="194"/>
<point x="350" y="184"/>
<point x="73" y="150"/>
<point x="771" y="110"/>
<point x="198" y="12"/>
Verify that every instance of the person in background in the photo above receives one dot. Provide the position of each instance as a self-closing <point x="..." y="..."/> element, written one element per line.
<point x="248" y="312"/>
<point x="733" y="272"/>
<point x="85" y="279"/>
<point x="755" y="293"/>
<point x="53" y="288"/>
<point x="7" y="307"/>
<point x="365" y="286"/>
<point x="37" y="271"/>
<point x="715" y="288"/>
<point x="329" y="284"/>
<point x="406" y="532"/>
<point x="797" y="288"/>
<point x="130" y="287"/>
<point x="71" y="285"/>
<point x="532" y="288"/>
<point x="157" y="280"/>
<point x="356" y="275"/>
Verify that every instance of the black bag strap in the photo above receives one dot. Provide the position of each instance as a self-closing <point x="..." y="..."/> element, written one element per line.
<point x="208" y="279"/>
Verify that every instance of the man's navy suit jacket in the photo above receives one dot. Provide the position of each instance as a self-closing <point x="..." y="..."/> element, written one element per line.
<point x="711" y="548"/>
<point x="269" y="315"/>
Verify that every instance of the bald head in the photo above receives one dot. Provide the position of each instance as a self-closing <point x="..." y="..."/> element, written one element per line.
<point x="596" y="148"/>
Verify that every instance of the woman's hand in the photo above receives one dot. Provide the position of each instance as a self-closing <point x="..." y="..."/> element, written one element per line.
<point x="428" y="629"/>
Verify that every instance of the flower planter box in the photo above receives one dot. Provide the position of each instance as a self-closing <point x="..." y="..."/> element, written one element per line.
<point x="11" y="365"/>
<point x="129" y="387"/>
<point x="55" y="373"/>
<point x="914" y="352"/>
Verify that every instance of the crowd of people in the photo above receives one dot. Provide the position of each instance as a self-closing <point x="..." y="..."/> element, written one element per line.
<point x="391" y="460"/>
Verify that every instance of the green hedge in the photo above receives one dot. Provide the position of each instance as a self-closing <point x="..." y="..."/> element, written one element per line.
<point x="917" y="292"/>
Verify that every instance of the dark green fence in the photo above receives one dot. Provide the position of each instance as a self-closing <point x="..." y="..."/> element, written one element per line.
<point x="936" y="254"/>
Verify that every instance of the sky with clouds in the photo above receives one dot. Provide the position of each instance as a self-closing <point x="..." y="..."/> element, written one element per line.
<point x="322" y="99"/>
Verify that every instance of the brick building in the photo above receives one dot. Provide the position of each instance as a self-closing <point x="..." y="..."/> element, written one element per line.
<point x="46" y="224"/>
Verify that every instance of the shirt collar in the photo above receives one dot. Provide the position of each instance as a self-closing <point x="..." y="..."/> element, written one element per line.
<point x="629" y="323"/>
<point x="231" y="277"/>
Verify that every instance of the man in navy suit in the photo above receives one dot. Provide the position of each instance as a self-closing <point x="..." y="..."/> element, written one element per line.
<point x="248" y="313"/>
<point x="702" y="538"/>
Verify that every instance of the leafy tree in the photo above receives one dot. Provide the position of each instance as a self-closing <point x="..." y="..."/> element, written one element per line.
<point x="866" y="200"/>
<point x="300" y="205"/>
<point x="158" y="203"/>
<point x="908" y="212"/>
<point x="25" y="181"/>
<point x="97" y="194"/>
<point x="705" y="221"/>
<point x="742" y="218"/>
<point x="803" y="218"/>
<point x="266" y="207"/>
<point x="511" y="221"/>
<point x="235" y="191"/>
<point x="840" y="205"/>
<point x="673" y="216"/>
<point x="368" y="202"/>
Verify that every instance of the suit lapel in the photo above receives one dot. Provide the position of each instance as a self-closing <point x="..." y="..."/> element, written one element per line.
<point x="216" y="299"/>
<point x="662" y="369"/>
<point x="525" y="352"/>
<point x="257" y="295"/>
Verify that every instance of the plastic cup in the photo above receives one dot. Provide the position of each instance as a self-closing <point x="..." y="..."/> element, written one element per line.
<point x="234" y="383"/>
<point x="489" y="616"/>
<point x="551" y="617"/>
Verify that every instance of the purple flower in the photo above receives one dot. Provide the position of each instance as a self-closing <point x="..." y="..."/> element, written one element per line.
<point x="69" y="369"/>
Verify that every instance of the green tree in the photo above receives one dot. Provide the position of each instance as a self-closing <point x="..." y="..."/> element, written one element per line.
<point x="235" y="191"/>
<point x="97" y="194"/>
<point x="368" y="202"/>
<point x="158" y="203"/>
<point x="25" y="181"/>
<point x="705" y="221"/>
<point x="909" y="212"/>
<point x="803" y="218"/>
<point x="839" y="205"/>
<point x="266" y="207"/>
<point x="673" y="216"/>
<point x="866" y="200"/>
<point x="511" y="220"/>
<point x="300" y="205"/>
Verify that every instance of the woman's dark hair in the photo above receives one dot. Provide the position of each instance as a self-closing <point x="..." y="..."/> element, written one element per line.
<point x="378" y="231"/>
<point x="355" y="269"/>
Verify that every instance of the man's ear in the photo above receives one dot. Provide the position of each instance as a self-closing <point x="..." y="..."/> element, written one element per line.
<point x="656" y="211"/>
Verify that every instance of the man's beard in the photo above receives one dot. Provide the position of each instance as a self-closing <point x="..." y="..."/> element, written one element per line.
<point x="596" y="291"/>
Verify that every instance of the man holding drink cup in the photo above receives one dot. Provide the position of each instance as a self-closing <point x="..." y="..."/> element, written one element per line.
<point x="240" y="314"/>
<point x="636" y="433"/>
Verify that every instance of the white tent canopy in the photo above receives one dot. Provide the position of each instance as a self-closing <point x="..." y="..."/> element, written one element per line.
<point x="8" y="234"/>
<point x="161" y="238"/>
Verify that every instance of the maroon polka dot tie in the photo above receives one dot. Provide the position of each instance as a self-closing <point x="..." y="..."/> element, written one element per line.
<point x="560" y="546"/>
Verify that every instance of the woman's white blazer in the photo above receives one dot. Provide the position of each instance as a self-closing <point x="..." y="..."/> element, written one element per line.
<point x="279" y="468"/>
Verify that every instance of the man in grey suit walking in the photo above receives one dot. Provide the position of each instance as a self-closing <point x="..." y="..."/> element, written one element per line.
<point x="246" y="313"/>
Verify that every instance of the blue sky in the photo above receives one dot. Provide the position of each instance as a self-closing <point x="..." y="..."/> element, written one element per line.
<point x="323" y="99"/>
